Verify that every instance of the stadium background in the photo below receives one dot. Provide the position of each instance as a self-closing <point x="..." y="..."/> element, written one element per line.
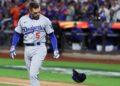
<point x="76" y="44"/>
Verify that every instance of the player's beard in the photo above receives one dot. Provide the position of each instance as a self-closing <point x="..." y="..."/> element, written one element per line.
<point x="35" y="17"/>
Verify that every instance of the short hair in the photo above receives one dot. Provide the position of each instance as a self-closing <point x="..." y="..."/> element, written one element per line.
<point x="34" y="5"/>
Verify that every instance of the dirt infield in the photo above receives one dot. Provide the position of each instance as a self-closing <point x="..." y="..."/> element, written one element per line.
<point x="108" y="59"/>
<point x="22" y="82"/>
<point x="74" y="57"/>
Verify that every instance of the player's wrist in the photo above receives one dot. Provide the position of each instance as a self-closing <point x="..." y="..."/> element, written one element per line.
<point x="55" y="49"/>
<point x="13" y="46"/>
<point x="56" y="52"/>
<point x="12" y="49"/>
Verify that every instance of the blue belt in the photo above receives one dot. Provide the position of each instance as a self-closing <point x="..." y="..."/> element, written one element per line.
<point x="32" y="44"/>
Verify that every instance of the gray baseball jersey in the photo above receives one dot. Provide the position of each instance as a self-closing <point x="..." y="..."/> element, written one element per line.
<point x="34" y="30"/>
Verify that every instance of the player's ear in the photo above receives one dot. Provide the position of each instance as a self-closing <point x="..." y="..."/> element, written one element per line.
<point x="30" y="10"/>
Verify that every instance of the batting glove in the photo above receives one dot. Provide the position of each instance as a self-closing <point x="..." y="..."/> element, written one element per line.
<point x="12" y="52"/>
<point x="56" y="54"/>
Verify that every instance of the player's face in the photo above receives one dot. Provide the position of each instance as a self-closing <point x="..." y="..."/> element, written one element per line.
<point x="35" y="13"/>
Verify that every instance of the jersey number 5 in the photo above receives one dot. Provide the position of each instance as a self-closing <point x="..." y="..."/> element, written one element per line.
<point x="37" y="35"/>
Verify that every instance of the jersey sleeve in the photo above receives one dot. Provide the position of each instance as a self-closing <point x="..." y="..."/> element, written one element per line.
<point x="18" y="28"/>
<point x="48" y="27"/>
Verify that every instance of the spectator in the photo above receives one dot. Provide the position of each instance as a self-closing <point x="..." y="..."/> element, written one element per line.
<point x="102" y="40"/>
<point x="115" y="8"/>
<point x="61" y="11"/>
<point x="70" y="11"/>
<point x="92" y="10"/>
<point x="50" y="12"/>
<point x="109" y="40"/>
<point x="104" y="13"/>
<point x="78" y="14"/>
<point x="76" y="37"/>
<point x="2" y="38"/>
<point x="15" y="11"/>
<point x="118" y="16"/>
<point x="3" y="2"/>
<point x="1" y="23"/>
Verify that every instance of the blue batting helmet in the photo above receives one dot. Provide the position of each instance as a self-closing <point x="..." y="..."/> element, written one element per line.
<point x="78" y="77"/>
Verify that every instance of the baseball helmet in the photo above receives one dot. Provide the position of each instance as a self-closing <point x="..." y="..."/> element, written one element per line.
<point x="78" y="77"/>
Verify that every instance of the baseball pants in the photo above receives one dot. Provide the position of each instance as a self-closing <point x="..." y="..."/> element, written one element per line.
<point x="34" y="56"/>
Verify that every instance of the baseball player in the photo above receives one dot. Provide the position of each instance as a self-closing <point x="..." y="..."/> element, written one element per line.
<point x="34" y="28"/>
<point x="76" y="38"/>
<point x="99" y="39"/>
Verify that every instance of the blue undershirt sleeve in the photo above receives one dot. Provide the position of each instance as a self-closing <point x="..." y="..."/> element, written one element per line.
<point x="15" y="38"/>
<point x="53" y="41"/>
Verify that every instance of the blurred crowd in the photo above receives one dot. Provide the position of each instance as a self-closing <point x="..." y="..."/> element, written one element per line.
<point x="81" y="10"/>
<point x="65" y="10"/>
<point x="62" y="10"/>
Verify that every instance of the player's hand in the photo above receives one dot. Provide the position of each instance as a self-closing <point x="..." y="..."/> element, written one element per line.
<point x="56" y="54"/>
<point x="12" y="52"/>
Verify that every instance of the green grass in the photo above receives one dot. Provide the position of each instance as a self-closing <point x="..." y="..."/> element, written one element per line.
<point x="7" y="85"/>
<point x="83" y="65"/>
<point x="14" y="73"/>
<point x="94" y="80"/>
<point x="11" y="62"/>
<point x="103" y="81"/>
<point x="80" y="65"/>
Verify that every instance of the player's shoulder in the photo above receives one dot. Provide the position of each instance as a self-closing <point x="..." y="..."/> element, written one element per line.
<point x="44" y="18"/>
<point x="24" y="17"/>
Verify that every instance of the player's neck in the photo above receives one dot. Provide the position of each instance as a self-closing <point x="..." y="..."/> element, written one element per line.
<point x="34" y="18"/>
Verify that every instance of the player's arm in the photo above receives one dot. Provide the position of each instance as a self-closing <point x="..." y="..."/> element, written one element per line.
<point x="50" y="31"/>
<point x="15" y="39"/>
<point x="53" y="40"/>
